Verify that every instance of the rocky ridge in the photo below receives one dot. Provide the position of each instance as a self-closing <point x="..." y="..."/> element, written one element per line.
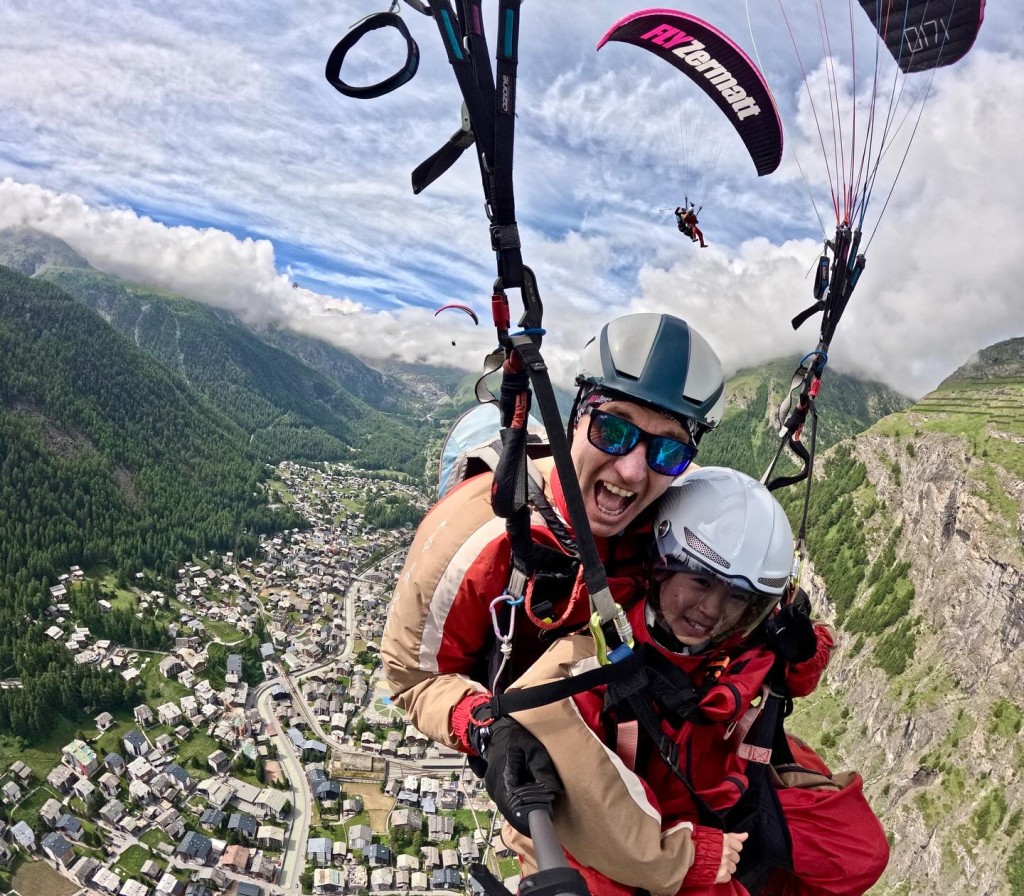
<point x="940" y="742"/>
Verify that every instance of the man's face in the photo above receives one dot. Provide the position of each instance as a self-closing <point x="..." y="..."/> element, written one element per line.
<point x="617" y="489"/>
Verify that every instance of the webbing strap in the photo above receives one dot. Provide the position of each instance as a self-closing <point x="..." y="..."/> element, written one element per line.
<point x="490" y="106"/>
<point x="370" y="91"/>
<point x="593" y="570"/>
<point x="489" y="109"/>
<point x="631" y="668"/>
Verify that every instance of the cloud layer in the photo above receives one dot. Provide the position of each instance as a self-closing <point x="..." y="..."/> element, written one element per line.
<point x="202" y="150"/>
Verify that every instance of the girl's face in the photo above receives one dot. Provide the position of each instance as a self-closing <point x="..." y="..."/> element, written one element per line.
<point x="697" y="606"/>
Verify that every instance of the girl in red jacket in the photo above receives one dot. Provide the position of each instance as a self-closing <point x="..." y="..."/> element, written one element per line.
<point x="663" y="805"/>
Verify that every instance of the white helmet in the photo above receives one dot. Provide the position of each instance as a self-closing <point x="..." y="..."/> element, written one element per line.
<point x="724" y="522"/>
<point x="660" y="361"/>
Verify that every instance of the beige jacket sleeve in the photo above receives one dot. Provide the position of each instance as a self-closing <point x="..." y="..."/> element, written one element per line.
<point x="438" y="622"/>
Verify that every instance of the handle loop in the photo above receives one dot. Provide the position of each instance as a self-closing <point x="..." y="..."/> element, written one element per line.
<point x="370" y="91"/>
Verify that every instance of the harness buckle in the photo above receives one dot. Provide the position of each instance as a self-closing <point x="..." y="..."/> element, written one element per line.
<point x="505" y="236"/>
<point x="625" y="647"/>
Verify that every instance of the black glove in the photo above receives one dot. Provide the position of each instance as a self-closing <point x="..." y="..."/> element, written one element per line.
<point x="790" y="632"/>
<point x="520" y="775"/>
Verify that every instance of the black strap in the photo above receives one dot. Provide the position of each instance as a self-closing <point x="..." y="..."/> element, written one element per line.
<point x="431" y="168"/>
<point x="372" y="23"/>
<point x="629" y="672"/>
<point x="487" y="881"/>
<point x="489" y="102"/>
<point x="490" y="107"/>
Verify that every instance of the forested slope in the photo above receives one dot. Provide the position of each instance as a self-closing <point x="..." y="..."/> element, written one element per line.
<point x="104" y="457"/>
<point x="287" y="409"/>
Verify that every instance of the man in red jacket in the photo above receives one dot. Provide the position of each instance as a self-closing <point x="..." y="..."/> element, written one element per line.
<point x="649" y="387"/>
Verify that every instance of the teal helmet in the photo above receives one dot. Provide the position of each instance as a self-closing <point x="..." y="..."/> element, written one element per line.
<point x="656" y="360"/>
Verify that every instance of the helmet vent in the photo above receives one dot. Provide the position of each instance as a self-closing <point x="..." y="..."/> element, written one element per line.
<point x="777" y="582"/>
<point x="693" y="542"/>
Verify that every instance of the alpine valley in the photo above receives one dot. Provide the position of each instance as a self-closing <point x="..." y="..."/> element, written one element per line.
<point x="139" y="431"/>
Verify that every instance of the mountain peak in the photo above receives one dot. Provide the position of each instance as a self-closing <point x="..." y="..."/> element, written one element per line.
<point x="1004" y="359"/>
<point x="29" y="251"/>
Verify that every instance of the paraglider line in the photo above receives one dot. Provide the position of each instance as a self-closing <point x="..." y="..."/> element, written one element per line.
<point x="810" y="97"/>
<point x="903" y="161"/>
<point x="796" y="155"/>
<point x="839" y="161"/>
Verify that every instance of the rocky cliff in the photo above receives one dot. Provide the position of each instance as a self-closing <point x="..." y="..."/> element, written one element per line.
<point x="924" y="695"/>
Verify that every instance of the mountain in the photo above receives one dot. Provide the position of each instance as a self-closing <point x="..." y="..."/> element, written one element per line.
<point x="287" y="408"/>
<point x="295" y="398"/>
<point x="1003" y="360"/>
<point x="747" y="438"/>
<point x="377" y="389"/>
<point x="915" y="533"/>
<point x="28" y="251"/>
<point x="105" y="458"/>
<point x="84" y="410"/>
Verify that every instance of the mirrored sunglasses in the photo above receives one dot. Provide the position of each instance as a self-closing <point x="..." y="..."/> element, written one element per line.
<point x="616" y="436"/>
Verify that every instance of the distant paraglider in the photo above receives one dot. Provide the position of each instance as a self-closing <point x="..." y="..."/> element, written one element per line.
<point x="454" y="306"/>
<point x="718" y="66"/>
<point x="465" y="308"/>
<point x="708" y="61"/>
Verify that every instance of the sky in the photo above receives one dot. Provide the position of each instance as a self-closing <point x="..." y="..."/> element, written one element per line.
<point x="199" y="147"/>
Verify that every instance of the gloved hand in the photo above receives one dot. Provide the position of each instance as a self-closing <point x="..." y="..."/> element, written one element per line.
<point x="520" y="775"/>
<point x="790" y="632"/>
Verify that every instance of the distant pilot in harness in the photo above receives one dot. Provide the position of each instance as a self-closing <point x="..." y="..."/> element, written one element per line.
<point x="686" y="220"/>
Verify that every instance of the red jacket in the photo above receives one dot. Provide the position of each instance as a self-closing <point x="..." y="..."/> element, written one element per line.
<point x="630" y="830"/>
<point x="439" y="634"/>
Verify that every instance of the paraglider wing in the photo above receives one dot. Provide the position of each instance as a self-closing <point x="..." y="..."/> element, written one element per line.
<point x="466" y="308"/>
<point x="924" y="34"/>
<point x="718" y="66"/>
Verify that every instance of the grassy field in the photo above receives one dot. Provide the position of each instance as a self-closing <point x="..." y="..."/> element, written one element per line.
<point x="199" y="746"/>
<point x="110" y="740"/>
<point x="39" y="879"/>
<point x="108" y="584"/>
<point x="223" y="631"/>
<point x="159" y="689"/>
<point x="132" y="859"/>
<point x="154" y="836"/>
<point x="508" y="867"/>
<point x="41" y="757"/>
<point x="28" y="808"/>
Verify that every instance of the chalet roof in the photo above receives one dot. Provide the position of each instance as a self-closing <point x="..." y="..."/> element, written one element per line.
<point x="195" y="845"/>
<point x="57" y="846"/>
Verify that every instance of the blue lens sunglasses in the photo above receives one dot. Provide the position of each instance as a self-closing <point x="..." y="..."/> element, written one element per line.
<point x="618" y="437"/>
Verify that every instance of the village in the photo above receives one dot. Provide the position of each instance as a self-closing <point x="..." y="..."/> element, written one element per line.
<point x="267" y="757"/>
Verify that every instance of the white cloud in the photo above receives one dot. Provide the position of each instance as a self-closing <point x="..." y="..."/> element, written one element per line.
<point x="218" y="121"/>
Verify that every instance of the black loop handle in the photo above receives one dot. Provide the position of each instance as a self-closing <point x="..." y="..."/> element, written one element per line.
<point x="371" y="23"/>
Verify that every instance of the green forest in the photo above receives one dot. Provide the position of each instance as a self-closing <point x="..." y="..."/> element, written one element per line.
<point x="104" y="458"/>
<point x="286" y="409"/>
